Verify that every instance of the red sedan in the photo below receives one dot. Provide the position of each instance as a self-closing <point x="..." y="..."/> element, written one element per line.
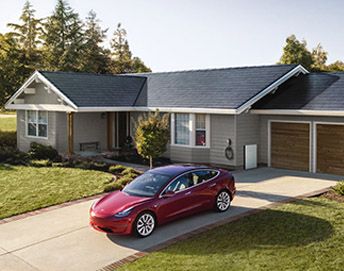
<point x="161" y="195"/>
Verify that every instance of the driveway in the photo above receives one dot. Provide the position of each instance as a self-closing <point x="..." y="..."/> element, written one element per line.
<point x="61" y="239"/>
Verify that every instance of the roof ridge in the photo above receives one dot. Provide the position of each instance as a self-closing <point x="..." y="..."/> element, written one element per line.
<point x="90" y="73"/>
<point x="215" y="69"/>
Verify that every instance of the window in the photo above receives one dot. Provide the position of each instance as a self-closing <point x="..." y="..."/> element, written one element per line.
<point x="200" y="130"/>
<point x="181" y="183"/>
<point x="191" y="130"/>
<point x="182" y="129"/>
<point x="203" y="175"/>
<point x="37" y="123"/>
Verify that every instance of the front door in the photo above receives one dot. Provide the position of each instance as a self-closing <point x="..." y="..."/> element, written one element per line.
<point x="121" y="128"/>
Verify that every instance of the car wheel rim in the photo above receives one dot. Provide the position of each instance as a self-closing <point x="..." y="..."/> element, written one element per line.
<point x="223" y="201"/>
<point x="145" y="224"/>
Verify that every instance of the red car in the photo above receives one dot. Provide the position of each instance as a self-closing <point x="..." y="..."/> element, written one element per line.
<point x="161" y="195"/>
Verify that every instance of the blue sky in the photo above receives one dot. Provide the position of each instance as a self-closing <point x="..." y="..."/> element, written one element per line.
<point x="194" y="34"/>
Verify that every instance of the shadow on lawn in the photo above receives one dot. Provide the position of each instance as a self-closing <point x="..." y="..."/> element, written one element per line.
<point x="6" y="167"/>
<point x="269" y="228"/>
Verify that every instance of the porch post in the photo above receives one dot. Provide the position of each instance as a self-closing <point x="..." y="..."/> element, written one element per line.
<point x="109" y="127"/>
<point x="70" y="132"/>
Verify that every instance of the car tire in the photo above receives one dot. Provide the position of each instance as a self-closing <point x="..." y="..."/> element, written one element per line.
<point x="144" y="224"/>
<point x="223" y="201"/>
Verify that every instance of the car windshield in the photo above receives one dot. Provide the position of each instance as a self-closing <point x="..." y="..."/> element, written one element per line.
<point x="146" y="185"/>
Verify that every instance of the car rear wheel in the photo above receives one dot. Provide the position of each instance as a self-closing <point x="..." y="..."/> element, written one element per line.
<point x="223" y="201"/>
<point x="144" y="224"/>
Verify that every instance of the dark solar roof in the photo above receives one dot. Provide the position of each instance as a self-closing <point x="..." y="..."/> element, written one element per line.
<point x="313" y="91"/>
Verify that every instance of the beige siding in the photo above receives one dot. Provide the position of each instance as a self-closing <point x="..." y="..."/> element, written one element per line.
<point x="222" y="127"/>
<point x="247" y="127"/>
<point x="24" y="141"/>
<point x="90" y="127"/>
<point x="42" y="96"/>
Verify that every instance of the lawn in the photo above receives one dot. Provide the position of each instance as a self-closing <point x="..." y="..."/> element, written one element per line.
<point x="24" y="189"/>
<point x="7" y="123"/>
<point x="304" y="235"/>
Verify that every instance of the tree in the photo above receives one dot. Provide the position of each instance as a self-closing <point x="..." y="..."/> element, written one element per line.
<point x="27" y="36"/>
<point x="63" y="39"/>
<point x="152" y="135"/>
<point x="94" y="57"/>
<point x="123" y="61"/>
<point x="319" y="58"/>
<point x="336" y="66"/>
<point x="295" y="52"/>
<point x="12" y="68"/>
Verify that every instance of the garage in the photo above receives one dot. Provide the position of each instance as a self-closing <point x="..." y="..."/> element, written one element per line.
<point x="290" y="145"/>
<point x="330" y="148"/>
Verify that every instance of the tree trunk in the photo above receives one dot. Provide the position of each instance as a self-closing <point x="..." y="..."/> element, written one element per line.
<point x="150" y="162"/>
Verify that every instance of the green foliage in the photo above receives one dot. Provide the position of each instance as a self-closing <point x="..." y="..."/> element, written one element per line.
<point x="123" y="61"/>
<point x="40" y="152"/>
<point x="12" y="156"/>
<point x="119" y="184"/>
<point x="8" y="139"/>
<point x="296" y="52"/>
<point x="339" y="188"/>
<point x="41" y="163"/>
<point x="117" y="169"/>
<point x="152" y="135"/>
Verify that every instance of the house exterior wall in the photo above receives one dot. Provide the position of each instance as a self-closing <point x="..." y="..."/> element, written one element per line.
<point x="41" y="96"/>
<point x="24" y="141"/>
<point x="263" y="123"/>
<point x="248" y="132"/>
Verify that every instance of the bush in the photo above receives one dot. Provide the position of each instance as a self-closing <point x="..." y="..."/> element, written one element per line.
<point x="8" y="139"/>
<point x="41" y="163"/>
<point x="339" y="188"/>
<point x="12" y="156"/>
<point x="118" y="184"/>
<point x="117" y="169"/>
<point x="131" y="171"/>
<point x="41" y="152"/>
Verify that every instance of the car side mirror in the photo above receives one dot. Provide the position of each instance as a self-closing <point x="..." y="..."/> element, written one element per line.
<point x="168" y="194"/>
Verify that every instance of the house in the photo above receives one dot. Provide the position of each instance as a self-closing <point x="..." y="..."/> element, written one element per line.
<point x="279" y="115"/>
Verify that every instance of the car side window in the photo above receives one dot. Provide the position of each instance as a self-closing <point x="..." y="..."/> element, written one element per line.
<point x="204" y="175"/>
<point x="183" y="182"/>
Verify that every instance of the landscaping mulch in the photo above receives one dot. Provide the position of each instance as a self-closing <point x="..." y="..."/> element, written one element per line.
<point x="332" y="195"/>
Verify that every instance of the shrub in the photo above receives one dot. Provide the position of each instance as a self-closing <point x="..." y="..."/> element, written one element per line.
<point x="131" y="171"/>
<point x="41" y="163"/>
<point x="41" y="152"/>
<point x="13" y="156"/>
<point x="339" y="188"/>
<point x="116" y="169"/>
<point x="118" y="184"/>
<point x="8" y="139"/>
<point x="99" y="166"/>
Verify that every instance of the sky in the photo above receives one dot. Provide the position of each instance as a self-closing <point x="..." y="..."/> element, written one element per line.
<point x="197" y="34"/>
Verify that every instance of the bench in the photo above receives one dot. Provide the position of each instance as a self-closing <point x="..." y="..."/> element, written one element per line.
<point x="89" y="146"/>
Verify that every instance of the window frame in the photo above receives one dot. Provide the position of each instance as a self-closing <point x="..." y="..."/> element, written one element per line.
<point x="37" y="124"/>
<point x="192" y="129"/>
<point x="185" y="173"/>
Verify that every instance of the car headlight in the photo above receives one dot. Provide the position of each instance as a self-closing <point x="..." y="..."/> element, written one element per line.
<point x="124" y="213"/>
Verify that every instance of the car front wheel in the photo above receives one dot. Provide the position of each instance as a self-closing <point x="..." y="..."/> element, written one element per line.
<point x="223" y="201"/>
<point x="144" y="224"/>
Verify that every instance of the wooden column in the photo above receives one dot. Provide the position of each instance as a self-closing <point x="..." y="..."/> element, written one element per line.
<point x="70" y="132"/>
<point x="109" y="127"/>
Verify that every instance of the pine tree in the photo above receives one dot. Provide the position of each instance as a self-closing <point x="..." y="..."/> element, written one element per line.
<point x="94" y="57"/>
<point x="123" y="61"/>
<point x="27" y="36"/>
<point x="63" y="39"/>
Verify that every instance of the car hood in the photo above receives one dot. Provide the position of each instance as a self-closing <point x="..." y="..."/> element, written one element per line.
<point x="114" y="203"/>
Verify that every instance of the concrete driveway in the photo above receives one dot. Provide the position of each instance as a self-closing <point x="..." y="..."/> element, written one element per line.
<point x="62" y="240"/>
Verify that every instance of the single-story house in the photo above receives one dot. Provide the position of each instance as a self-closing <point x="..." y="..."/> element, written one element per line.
<point x="277" y="115"/>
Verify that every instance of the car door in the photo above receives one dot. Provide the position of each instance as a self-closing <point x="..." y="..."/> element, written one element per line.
<point x="180" y="203"/>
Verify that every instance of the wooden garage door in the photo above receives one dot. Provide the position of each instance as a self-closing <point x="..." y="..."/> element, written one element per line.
<point x="290" y="145"/>
<point x="330" y="148"/>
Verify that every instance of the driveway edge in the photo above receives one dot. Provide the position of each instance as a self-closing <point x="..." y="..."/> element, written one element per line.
<point x="134" y="257"/>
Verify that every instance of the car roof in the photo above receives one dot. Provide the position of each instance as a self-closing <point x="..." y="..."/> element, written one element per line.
<point x="174" y="170"/>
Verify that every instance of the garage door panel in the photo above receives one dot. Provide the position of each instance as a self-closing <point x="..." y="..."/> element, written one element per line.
<point x="330" y="148"/>
<point x="290" y="145"/>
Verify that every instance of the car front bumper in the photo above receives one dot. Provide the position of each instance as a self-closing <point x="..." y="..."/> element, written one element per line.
<point x="112" y="225"/>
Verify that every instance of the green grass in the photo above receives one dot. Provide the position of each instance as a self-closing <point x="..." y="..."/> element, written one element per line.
<point x="24" y="189"/>
<point x="305" y="235"/>
<point x="7" y="112"/>
<point x="7" y="124"/>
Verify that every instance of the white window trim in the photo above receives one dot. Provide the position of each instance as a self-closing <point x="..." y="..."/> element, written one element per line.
<point x="27" y="122"/>
<point x="192" y="129"/>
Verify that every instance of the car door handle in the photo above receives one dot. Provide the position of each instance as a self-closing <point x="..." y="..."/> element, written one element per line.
<point x="187" y="193"/>
<point x="212" y="185"/>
